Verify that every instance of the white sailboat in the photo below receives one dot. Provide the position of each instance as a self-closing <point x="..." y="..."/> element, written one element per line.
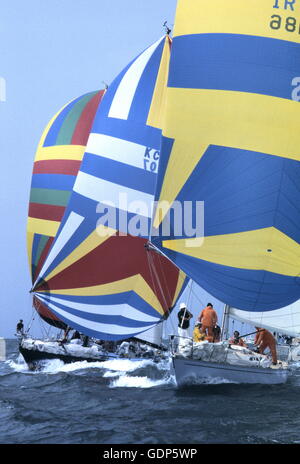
<point x="213" y="129"/>
<point x="198" y="362"/>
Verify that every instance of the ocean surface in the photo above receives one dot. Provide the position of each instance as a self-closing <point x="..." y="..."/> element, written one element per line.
<point x="127" y="402"/>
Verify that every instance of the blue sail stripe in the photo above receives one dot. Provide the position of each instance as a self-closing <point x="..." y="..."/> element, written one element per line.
<point x="84" y="328"/>
<point x="103" y="319"/>
<point x="109" y="96"/>
<point x="255" y="202"/>
<point x="128" y="130"/>
<point x="35" y="244"/>
<point x="93" y="333"/>
<point x="53" y="132"/>
<point x="143" y="96"/>
<point x="234" y="62"/>
<point x="129" y="297"/>
<point x="253" y="290"/>
<point x="53" y="181"/>
<point x="119" y="173"/>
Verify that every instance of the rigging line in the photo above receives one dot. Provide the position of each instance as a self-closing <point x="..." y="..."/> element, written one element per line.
<point x="42" y="326"/>
<point x="189" y="300"/>
<point x="151" y="274"/>
<point x="152" y="247"/>
<point x="149" y="258"/>
<point x="198" y="298"/>
<point x="31" y="319"/>
<point x="153" y="268"/>
<point x="165" y="280"/>
<point x="190" y="292"/>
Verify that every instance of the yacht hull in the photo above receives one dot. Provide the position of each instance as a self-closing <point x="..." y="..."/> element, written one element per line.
<point x="34" y="352"/>
<point x="189" y="372"/>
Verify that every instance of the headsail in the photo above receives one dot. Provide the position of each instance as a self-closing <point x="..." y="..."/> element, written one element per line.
<point x="100" y="278"/>
<point x="56" y="165"/>
<point x="284" y="320"/>
<point x="231" y="139"/>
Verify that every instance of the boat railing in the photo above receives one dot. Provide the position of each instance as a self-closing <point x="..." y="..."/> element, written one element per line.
<point x="184" y="346"/>
<point x="177" y="341"/>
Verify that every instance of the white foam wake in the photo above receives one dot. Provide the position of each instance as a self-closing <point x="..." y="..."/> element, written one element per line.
<point x="120" y="372"/>
<point x="19" y="365"/>
<point x="140" y="382"/>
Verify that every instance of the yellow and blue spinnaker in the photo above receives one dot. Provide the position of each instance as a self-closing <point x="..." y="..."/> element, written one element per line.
<point x="231" y="139"/>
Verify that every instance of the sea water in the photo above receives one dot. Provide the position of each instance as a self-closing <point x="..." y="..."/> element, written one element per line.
<point x="133" y="402"/>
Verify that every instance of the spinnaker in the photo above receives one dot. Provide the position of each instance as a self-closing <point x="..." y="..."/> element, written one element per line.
<point x="56" y="165"/>
<point x="231" y="140"/>
<point x="102" y="279"/>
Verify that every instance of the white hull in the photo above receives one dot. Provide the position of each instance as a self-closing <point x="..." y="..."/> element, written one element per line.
<point x="189" y="372"/>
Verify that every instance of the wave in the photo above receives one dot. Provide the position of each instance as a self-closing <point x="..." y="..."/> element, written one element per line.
<point x="129" y="373"/>
<point x="140" y="382"/>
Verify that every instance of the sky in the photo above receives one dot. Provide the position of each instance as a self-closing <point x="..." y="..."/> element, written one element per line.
<point x="52" y="51"/>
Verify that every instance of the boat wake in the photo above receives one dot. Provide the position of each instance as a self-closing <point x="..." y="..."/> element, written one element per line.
<point x="129" y="373"/>
<point x="210" y="381"/>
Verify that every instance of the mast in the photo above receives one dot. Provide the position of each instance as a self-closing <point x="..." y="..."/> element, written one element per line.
<point x="225" y="322"/>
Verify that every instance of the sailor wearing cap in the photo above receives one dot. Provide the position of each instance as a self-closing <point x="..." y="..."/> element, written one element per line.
<point x="184" y="317"/>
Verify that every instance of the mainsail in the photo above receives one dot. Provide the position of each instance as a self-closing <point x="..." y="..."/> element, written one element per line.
<point x="100" y="277"/>
<point x="231" y="140"/>
<point x="58" y="158"/>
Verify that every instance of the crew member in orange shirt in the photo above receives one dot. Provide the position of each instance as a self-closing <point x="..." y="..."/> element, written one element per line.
<point x="264" y="339"/>
<point x="208" y="319"/>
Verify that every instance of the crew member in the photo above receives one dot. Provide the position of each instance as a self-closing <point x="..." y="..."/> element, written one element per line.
<point x="66" y="333"/>
<point x="184" y="317"/>
<point x="208" y="319"/>
<point x="217" y="334"/>
<point x="264" y="339"/>
<point x="237" y="340"/>
<point x="198" y="335"/>
<point x="20" y="327"/>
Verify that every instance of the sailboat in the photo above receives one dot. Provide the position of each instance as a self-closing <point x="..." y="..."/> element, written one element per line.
<point x="87" y="231"/>
<point x="231" y="141"/>
<point x="209" y="129"/>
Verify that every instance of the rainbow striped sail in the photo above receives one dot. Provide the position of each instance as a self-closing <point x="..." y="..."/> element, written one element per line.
<point x="231" y="139"/>
<point x="98" y="277"/>
<point x="57" y="162"/>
